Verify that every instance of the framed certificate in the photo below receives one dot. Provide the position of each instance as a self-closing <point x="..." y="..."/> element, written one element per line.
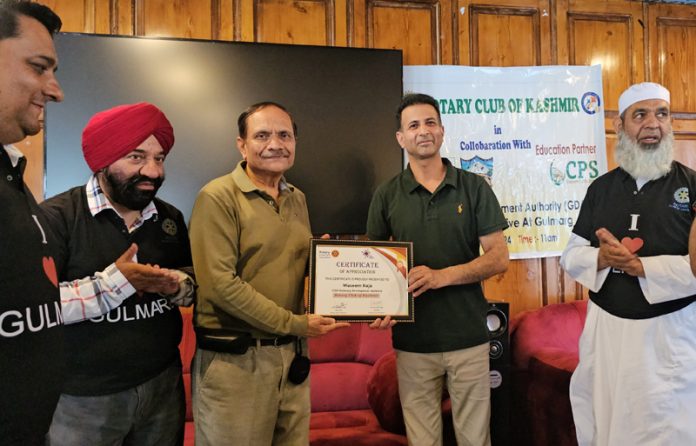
<point x="359" y="281"/>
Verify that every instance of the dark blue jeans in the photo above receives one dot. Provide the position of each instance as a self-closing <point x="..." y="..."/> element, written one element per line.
<point x="149" y="414"/>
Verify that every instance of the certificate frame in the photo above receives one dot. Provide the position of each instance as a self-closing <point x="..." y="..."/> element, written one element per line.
<point x="360" y="280"/>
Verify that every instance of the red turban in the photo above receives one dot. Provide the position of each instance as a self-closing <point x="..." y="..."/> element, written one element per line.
<point x="112" y="134"/>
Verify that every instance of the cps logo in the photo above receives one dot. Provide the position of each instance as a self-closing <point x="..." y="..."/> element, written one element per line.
<point x="574" y="171"/>
<point x="581" y="170"/>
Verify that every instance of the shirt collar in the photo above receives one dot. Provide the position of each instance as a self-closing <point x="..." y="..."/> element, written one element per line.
<point x="450" y="176"/>
<point x="14" y="153"/>
<point x="245" y="184"/>
<point x="97" y="202"/>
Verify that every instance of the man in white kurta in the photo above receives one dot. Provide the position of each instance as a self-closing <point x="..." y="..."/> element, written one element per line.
<point x="636" y="380"/>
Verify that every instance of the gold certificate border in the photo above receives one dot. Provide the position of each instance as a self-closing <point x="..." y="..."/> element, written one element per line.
<point x="314" y="243"/>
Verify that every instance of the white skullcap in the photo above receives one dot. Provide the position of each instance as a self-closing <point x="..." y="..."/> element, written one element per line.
<point x="641" y="92"/>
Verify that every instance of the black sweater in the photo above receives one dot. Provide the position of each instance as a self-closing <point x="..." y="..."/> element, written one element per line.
<point x="139" y="339"/>
<point x="31" y="330"/>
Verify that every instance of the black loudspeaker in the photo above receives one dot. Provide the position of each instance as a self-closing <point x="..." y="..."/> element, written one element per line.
<point x="497" y="319"/>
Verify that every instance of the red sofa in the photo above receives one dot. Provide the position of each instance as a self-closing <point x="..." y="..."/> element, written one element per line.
<point x="344" y="383"/>
<point x="544" y="348"/>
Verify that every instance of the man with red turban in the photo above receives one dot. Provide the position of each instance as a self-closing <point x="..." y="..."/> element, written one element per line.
<point x="123" y="327"/>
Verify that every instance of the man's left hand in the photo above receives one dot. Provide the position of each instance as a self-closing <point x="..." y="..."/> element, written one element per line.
<point x="421" y="279"/>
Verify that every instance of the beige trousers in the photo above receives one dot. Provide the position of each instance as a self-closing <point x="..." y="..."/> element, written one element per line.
<point x="247" y="400"/>
<point x="421" y="380"/>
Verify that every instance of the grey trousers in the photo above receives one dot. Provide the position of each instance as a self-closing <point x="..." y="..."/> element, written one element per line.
<point x="151" y="414"/>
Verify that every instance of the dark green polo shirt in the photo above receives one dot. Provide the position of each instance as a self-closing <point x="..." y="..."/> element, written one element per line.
<point x="444" y="227"/>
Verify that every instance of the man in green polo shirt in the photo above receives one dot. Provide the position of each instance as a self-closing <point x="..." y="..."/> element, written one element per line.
<point x="448" y="214"/>
<point x="250" y="245"/>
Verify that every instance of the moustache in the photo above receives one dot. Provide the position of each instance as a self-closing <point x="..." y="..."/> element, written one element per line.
<point x="138" y="179"/>
<point x="275" y="153"/>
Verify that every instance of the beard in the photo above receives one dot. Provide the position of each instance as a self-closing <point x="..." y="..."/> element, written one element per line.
<point x="647" y="161"/>
<point x="125" y="192"/>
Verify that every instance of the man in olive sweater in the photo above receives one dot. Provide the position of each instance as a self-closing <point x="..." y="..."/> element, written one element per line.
<point x="250" y="243"/>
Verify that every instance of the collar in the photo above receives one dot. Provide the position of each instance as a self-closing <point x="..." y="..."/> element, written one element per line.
<point x="97" y="202"/>
<point x="450" y="176"/>
<point x="640" y="182"/>
<point x="14" y="153"/>
<point x="245" y="184"/>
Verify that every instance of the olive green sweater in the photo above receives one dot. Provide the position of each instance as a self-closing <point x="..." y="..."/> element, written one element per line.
<point x="250" y="256"/>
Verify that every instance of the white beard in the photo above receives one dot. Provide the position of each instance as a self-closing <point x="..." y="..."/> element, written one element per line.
<point x="648" y="162"/>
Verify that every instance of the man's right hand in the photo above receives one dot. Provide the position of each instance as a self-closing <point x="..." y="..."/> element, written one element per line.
<point x="146" y="278"/>
<point x="319" y="325"/>
<point x="613" y="254"/>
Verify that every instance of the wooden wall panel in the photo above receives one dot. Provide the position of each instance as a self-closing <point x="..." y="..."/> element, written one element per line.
<point x="77" y="15"/>
<point x="412" y="26"/>
<point x="607" y="41"/>
<point x="610" y="33"/>
<point x="672" y="50"/>
<point x="192" y="19"/>
<point x="308" y="22"/>
<point x="512" y="33"/>
<point x="521" y="285"/>
<point x="114" y="17"/>
<point x="672" y="34"/>
<point x="676" y="48"/>
<point x="504" y="37"/>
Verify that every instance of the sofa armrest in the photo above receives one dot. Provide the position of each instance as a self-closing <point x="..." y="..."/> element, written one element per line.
<point x="383" y="394"/>
<point x="556" y="358"/>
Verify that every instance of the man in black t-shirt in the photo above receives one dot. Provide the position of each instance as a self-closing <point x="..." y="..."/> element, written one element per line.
<point x="449" y="215"/>
<point x="123" y="382"/>
<point x="31" y="326"/>
<point x="636" y="380"/>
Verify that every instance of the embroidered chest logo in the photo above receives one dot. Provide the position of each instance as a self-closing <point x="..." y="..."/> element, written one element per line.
<point x="460" y="209"/>
<point x="681" y="200"/>
<point x="169" y="226"/>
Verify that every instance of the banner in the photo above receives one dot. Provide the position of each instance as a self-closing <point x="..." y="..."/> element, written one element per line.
<point x="535" y="133"/>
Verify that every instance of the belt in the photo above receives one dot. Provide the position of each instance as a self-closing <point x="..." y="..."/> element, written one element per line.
<point x="240" y="344"/>
<point x="281" y="340"/>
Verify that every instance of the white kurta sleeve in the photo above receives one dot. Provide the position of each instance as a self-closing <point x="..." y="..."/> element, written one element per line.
<point x="579" y="260"/>
<point x="667" y="278"/>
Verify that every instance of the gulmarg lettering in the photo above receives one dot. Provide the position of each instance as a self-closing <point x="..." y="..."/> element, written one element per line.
<point x="15" y="322"/>
<point x="142" y="311"/>
<point x="553" y="221"/>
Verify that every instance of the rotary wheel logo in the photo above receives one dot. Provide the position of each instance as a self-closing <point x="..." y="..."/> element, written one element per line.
<point x="334" y="253"/>
<point x="169" y="226"/>
<point x="681" y="195"/>
<point x="590" y="102"/>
